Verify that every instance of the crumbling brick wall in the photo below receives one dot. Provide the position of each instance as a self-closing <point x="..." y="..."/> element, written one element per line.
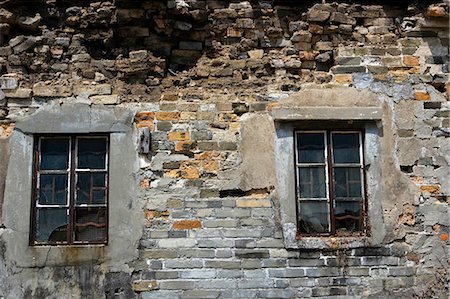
<point x="201" y="76"/>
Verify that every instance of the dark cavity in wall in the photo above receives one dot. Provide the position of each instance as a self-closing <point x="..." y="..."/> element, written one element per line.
<point x="118" y="284"/>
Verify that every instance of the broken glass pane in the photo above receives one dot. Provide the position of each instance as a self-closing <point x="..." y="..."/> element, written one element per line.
<point x="53" y="189"/>
<point x="92" y="153"/>
<point x="346" y="147"/>
<point x="90" y="224"/>
<point x="313" y="217"/>
<point x="91" y="188"/>
<point x="347" y="182"/>
<point x="312" y="182"/>
<point x="310" y="148"/>
<point x="51" y="225"/>
<point x="348" y="216"/>
<point x="54" y="154"/>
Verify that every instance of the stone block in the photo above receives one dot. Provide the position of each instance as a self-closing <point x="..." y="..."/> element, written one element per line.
<point x="186" y="224"/>
<point x="348" y="69"/>
<point x="253" y="203"/>
<point x="315" y="15"/>
<point x="204" y="294"/>
<point x="144" y="285"/>
<point x="105" y="99"/>
<point x="167" y="116"/>
<point x="92" y="89"/>
<point x="337" y="17"/>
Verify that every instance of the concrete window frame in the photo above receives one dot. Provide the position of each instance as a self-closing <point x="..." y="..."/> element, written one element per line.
<point x="124" y="210"/>
<point x="317" y="109"/>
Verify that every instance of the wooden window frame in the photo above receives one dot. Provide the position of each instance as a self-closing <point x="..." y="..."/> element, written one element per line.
<point x="70" y="205"/>
<point x="329" y="181"/>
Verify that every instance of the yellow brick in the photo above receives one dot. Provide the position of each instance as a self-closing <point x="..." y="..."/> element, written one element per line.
<point x="409" y="60"/>
<point x="144" y="116"/>
<point x="174" y="173"/>
<point x="343" y="78"/>
<point x="186" y="224"/>
<point x="422" y="96"/>
<point x="432" y="189"/>
<point x="178" y="136"/>
<point x="164" y="115"/>
<point x="210" y="166"/>
<point x="169" y="97"/>
<point x="253" y="203"/>
<point x="272" y="105"/>
<point x="190" y="173"/>
<point x="188" y="115"/>
<point x="145" y="183"/>
<point x="234" y="126"/>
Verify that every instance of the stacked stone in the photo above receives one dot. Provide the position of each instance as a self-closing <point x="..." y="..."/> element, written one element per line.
<point x="192" y="70"/>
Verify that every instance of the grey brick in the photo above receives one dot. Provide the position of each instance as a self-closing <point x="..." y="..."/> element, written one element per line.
<point x="255" y="283"/>
<point x="196" y="253"/>
<point x="277" y="293"/>
<point x="183" y="263"/>
<point x="200" y="294"/>
<point x="224" y="264"/>
<point x="161" y="295"/>
<point x="258" y="273"/>
<point x="233" y="213"/>
<point x="379" y="260"/>
<point x="270" y="243"/>
<point x="305" y="262"/>
<point x="239" y="294"/>
<point x="245" y="243"/>
<point x="302" y="282"/>
<point x="274" y="263"/>
<point x="348" y="69"/>
<point x="215" y="243"/>
<point x="167" y="274"/>
<point x="220" y="223"/>
<point x="230" y="273"/>
<point x="242" y="233"/>
<point x="288" y="272"/>
<point x="327" y="291"/>
<point x="243" y="253"/>
<point x="346" y="281"/>
<point x="198" y="273"/>
<point x="224" y="253"/>
<point x="251" y="264"/>
<point x="401" y="271"/>
<point x="343" y="60"/>
<point x="177" y="284"/>
<point x="216" y="284"/>
<point x="358" y="271"/>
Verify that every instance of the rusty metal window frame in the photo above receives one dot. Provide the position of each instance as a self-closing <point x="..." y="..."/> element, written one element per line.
<point x="329" y="165"/>
<point x="72" y="172"/>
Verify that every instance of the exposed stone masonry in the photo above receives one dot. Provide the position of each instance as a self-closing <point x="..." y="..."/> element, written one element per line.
<point x="197" y="74"/>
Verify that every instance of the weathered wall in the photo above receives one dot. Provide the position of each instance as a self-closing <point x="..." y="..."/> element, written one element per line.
<point x="218" y="83"/>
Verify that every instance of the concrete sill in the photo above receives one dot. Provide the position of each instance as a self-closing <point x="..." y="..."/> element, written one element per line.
<point x="332" y="242"/>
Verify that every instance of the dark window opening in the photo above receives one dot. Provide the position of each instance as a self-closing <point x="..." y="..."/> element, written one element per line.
<point x="70" y="193"/>
<point x="330" y="189"/>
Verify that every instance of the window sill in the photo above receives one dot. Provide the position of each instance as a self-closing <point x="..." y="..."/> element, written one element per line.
<point x="292" y="241"/>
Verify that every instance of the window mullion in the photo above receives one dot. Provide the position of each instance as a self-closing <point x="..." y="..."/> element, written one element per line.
<point x="72" y="189"/>
<point x="331" y="194"/>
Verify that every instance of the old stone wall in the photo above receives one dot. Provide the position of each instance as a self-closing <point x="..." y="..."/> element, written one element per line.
<point x="216" y="83"/>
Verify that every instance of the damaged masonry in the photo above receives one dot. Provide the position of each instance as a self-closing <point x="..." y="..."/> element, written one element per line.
<point x="224" y="149"/>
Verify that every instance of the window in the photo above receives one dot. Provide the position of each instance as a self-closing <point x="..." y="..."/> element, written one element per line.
<point x="330" y="188"/>
<point x="70" y="194"/>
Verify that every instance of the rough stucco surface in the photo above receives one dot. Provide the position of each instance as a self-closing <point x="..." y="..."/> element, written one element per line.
<point x="209" y="211"/>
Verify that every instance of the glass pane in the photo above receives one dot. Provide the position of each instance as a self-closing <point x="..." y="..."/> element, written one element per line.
<point x="311" y="182"/>
<point x="313" y="217"/>
<point x="348" y="216"/>
<point x="51" y="225"/>
<point x="92" y="153"/>
<point x="90" y="224"/>
<point x="53" y="189"/>
<point x="310" y="147"/>
<point x="346" y="147"/>
<point x="91" y="188"/>
<point x="54" y="153"/>
<point x="347" y="182"/>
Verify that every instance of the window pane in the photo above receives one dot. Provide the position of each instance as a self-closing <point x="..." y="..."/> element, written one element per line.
<point x="92" y="153"/>
<point x="54" y="153"/>
<point x="91" y="188"/>
<point x="310" y="147"/>
<point x="313" y="217"/>
<point x="347" y="182"/>
<point x="346" y="147"/>
<point x="311" y="182"/>
<point x="90" y="224"/>
<point x="51" y="225"/>
<point x="348" y="216"/>
<point x="53" y="189"/>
